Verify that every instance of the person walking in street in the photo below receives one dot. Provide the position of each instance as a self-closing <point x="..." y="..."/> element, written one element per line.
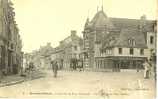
<point x="147" y="68"/>
<point x="138" y="65"/>
<point x="1" y="76"/>
<point x="55" y="68"/>
<point x="31" y="67"/>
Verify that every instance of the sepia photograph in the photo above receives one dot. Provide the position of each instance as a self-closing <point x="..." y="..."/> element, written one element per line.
<point x="78" y="49"/>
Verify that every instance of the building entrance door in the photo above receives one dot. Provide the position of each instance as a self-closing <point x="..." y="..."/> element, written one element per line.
<point x="116" y="66"/>
<point x="2" y="59"/>
<point x="9" y="62"/>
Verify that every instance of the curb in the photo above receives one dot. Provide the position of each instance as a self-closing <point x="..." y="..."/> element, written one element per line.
<point x="19" y="81"/>
<point x="11" y="83"/>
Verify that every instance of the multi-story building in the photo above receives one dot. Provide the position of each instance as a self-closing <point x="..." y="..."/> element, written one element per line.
<point x="41" y="57"/>
<point x="69" y="49"/>
<point x="111" y="43"/>
<point x="58" y="55"/>
<point x="10" y="41"/>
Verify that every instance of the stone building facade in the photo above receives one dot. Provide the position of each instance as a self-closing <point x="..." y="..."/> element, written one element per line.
<point x="58" y="55"/>
<point x="112" y="43"/>
<point x="10" y="41"/>
<point x="41" y="58"/>
<point x="70" y="48"/>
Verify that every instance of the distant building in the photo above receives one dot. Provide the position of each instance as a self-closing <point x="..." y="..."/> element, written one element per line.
<point x="111" y="43"/>
<point x="69" y="48"/>
<point x="41" y="57"/>
<point x="58" y="55"/>
<point x="26" y="60"/>
<point x="10" y="40"/>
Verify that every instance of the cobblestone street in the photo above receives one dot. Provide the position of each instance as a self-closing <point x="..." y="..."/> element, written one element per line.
<point x="102" y="85"/>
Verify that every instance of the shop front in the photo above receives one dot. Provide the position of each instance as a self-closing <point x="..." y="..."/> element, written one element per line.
<point x="117" y="63"/>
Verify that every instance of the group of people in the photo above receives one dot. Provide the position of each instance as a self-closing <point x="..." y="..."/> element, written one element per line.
<point x="147" y="68"/>
<point x="76" y="64"/>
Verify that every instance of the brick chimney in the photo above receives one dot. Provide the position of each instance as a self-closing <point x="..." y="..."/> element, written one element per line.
<point x="143" y="20"/>
<point x="73" y="32"/>
<point x="48" y="44"/>
<point x="142" y="26"/>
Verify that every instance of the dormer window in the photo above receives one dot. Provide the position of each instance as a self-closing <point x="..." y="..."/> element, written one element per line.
<point x="131" y="42"/>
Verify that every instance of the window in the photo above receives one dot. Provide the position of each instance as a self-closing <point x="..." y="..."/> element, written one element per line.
<point x="120" y="50"/>
<point x="131" y="51"/>
<point x="131" y="42"/>
<point x="151" y="39"/>
<point x="86" y="55"/>
<point x="12" y="46"/>
<point x="75" y="48"/>
<point x="109" y="51"/>
<point x="75" y="55"/>
<point x="141" y="51"/>
<point x="105" y="51"/>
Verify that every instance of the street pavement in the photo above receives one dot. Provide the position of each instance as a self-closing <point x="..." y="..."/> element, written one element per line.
<point x="15" y="79"/>
<point x="75" y="84"/>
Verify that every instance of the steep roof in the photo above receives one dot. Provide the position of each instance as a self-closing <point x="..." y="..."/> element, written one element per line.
<point x="118" y="31"/>
<point x="100" y="20"/>
<point x="110" y="39"/>
<point x="124" y="23"/>
<point x="131" y="34"/>
<point x="69" y="41"/>
<point x="122" y="39"/>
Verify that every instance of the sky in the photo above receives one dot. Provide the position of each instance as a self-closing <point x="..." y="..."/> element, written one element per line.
<point x="43" y="21"/>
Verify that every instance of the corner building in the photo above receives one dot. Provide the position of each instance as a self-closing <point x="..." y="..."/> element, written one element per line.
<point x="118" y="43"/>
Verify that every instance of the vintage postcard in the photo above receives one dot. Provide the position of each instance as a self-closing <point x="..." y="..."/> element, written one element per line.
<point x="79" y="49"/>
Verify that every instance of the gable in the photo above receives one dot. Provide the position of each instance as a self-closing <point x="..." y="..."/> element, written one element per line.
<point x="101" y="20"/>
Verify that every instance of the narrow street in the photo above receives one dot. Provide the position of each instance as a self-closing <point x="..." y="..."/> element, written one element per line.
<point x="102" y="85"/>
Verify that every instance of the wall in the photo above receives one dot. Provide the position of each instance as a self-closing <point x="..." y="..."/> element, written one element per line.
<point x="126" y="52"/>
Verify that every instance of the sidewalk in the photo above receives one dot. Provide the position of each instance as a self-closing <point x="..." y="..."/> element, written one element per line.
<point x="11" y="80"/>
<point x="15" y="79"/>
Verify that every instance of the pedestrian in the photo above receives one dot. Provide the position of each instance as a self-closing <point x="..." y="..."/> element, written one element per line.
<point x="147" y="68"/>
<point x="80" y="65"/>
<point x="31" y="67"/>
<point x="55" y="68"/>
<point x="138" y="65"/>
<point x="1" y="76"/>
